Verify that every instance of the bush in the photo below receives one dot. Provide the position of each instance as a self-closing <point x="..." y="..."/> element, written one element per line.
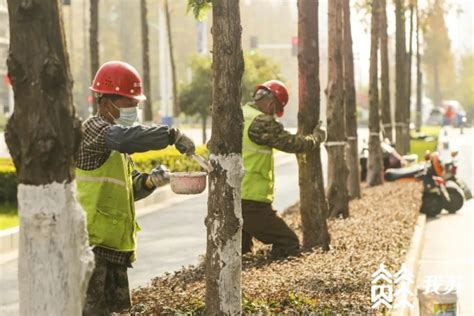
<point x="8" y="183"/>
<point x="169" y="157"/>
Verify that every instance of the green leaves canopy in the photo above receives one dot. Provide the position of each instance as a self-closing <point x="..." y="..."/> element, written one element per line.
<point x="196" y="96"/>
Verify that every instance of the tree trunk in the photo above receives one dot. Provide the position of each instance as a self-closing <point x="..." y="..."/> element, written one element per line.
<point x="204" y="128"/>
<point x="176" y="108"/>
<point x="313" y="204"/>
<point x="224" y="217"/>
<point x="375" y="163"/>
<point x="94" y="45"/>
<point x="419" y="78"/>
<point x="408" y="91"/>
<point x="43" y="135"/>
<point x="400" y="77"/>
<point x="385" y="80"/>
<point x="352" y="150"/>
<point x="338" y="197"/>
<point x="148" y="113"/>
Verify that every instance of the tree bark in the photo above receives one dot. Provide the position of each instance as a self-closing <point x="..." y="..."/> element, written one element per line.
<point x="352" y="150"/>
<point x="385" y="80"/>
<point x="375" y="163"/>
<point x="338" y="197"/>
<point x="408" y="91"/>
<point x="313" y="204"/>
<point x="94" y="45"/>
<point x="224" y="217"/>
<point x="148" y="113"/>
<point x="43" y="136"/>
<point x="400" y="77"/>
<point x="176" y="107"/>
<point x="419" y="78"/>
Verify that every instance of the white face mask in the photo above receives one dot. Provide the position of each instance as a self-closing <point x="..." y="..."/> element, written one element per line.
<point x="127" y="117"/>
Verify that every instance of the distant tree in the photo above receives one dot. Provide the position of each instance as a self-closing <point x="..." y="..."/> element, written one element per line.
<point x="375" y="165"/>
<point x="258" y="68"/>
<point x="352" y="150"/>
<point x="43" y="135"/>
<point x="196" y="96"/>
<point x="400" y="77"/>
<point x="438" y="58"/>
<point x="313" y="203"/>
<point x="147" y="113"/>
<point x="94" y="43"/>
<point x="411" y="7"/>
<point x="419" y="76"/>
<point x="174" y="79"/>
<point x="386" y="110"/>
<point x="338" y="196"/>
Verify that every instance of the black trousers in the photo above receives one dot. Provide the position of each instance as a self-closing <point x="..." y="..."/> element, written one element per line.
<point x="262" y="222"/>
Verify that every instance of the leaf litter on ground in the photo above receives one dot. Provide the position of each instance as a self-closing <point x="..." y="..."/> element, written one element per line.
<point x="338" y="281"/>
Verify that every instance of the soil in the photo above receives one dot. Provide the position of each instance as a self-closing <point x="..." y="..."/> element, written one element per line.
<point x="378" y="230"/>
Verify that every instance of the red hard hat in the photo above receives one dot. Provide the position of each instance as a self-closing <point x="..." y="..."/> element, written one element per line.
<point x="116" y="77"/>
<point x="278" y="89"/>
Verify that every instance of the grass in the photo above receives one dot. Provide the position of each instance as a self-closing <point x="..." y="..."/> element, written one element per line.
<point x="420" y="146"/>
<point x="8" y="216"/>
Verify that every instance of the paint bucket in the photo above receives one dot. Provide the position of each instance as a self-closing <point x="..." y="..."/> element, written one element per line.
<point x="442" y="302"/>
<point x="188" y="182"/>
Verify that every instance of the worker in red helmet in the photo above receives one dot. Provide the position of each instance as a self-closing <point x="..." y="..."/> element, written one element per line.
<point x="108" y="184"/>
<point x="262" y="133"/>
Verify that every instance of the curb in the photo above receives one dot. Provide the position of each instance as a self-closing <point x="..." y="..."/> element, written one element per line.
<point x="162" y="197"/>
<point x="411" y="261"/>
<point x="9" y="243"/>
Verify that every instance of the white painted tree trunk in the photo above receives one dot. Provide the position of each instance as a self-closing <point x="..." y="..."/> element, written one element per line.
<point x="55" y="260"/>
<point x="225" y="239"/>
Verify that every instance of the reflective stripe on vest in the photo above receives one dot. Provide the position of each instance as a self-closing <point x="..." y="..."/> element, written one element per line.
<point x="258" y="182"/>
<point x="106" y="194"/>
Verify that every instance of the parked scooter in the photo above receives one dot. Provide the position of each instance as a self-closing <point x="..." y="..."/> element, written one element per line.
<point x="458" y="190"/>
<point x="435" y="195"/>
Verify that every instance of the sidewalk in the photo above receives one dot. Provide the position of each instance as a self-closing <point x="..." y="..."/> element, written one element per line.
<point x="448" y="252"/>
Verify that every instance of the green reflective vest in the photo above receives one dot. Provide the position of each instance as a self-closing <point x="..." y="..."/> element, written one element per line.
<point x="106" y="194"/>
<point x="258" y="182"/>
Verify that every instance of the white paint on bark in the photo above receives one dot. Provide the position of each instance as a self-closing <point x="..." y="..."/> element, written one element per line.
<point x="55" y="260"/>
<point x="229" y="253"/>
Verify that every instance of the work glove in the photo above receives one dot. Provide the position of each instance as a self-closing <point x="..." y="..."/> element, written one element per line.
<point x="320" y="133"/>
<point x="183" y="143"/>
<point x="159" y="176"/>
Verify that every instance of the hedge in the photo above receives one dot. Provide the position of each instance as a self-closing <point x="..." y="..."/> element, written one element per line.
<point x="8" y="183"/>
<point x="144" y="162"/>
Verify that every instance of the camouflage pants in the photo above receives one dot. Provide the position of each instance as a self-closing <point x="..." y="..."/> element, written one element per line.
<point x="262" y="222"/>
<point x="108" y="289"/>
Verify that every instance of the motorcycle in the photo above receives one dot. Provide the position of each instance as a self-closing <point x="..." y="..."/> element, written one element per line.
<point x="435" y="194"/>
<point x="457" y="188"/>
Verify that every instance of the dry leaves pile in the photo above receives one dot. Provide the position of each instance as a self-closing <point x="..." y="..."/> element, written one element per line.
<point x="378" y="231"/>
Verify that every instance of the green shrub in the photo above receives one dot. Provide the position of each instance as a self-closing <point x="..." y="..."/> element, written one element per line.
<point x="8" y="184"/>
<point x="8" y="215"/>
<point x="169" y="157"/>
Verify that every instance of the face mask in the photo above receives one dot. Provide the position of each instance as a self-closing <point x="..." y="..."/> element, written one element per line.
<point x="127" y="117"/>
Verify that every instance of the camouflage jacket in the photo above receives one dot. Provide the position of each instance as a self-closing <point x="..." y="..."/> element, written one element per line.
<point x="266" y="130"/>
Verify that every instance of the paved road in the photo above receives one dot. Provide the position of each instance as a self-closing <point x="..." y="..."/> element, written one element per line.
<point x="448" y="251"/>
